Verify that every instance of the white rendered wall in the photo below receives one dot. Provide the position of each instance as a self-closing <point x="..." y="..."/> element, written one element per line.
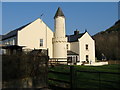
<point x="59" y="27"/>
<point x="30" y="36"/>
<point x="49" y="42"/>
<point x="86" y="39"/>
<point x="74" y="46"/>
<point x="68" y="46"/>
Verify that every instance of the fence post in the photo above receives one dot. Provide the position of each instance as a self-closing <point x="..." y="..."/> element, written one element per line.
<point x="99" y="81"/>
<point x="72" y="75"/>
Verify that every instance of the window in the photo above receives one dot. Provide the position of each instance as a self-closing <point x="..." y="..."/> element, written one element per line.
<point x="69" y="59"/>
<point x="77" y="59"/>
<point x="67" y="46"/>
<point x="13" y="41"/>
<point x="87" y="58"/>
<point x="8" y="43"/>
<point x="41" y="42"/>
<point x="86" y="46"/>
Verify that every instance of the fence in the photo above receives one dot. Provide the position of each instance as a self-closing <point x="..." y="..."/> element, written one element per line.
<point x="78" y="79"/>
<point x="97" y="80"/>
<point x="113" y="61"/>
<point x="57" y="61"/>
<point x="65" y="84"/>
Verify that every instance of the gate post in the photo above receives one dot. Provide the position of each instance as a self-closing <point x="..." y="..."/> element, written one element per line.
<point x="72" y="77"/>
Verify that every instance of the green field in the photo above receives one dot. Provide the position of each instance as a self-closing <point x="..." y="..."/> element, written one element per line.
<point x="87" y="79"/>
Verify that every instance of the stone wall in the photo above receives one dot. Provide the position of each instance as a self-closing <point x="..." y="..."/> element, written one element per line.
<point x="25" y="70"/>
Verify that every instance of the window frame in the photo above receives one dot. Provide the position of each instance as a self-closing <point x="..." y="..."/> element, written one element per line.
<point x="87" y="58"/>
<point x="86" y="46"/>
<point x="41" y="42"/>
<point x="67" y="47"/>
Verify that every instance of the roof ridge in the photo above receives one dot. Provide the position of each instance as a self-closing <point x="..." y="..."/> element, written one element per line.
<point x="75" y="35"/>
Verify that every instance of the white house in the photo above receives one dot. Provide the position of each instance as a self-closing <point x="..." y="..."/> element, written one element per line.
<point x="35" y="35"/>
<point x="74" y="48"/>
<point x="83" y="47"/>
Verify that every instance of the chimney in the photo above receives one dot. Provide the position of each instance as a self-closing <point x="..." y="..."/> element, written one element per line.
<point x="76" y="32"/>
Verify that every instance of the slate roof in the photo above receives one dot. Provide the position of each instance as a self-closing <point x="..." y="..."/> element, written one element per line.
<point x="12" y="47"/>
<point x="74" y="38"/>
<point x="13" y="33"/>
<point x="71" y="53"/>
<point x="59" y="13"/>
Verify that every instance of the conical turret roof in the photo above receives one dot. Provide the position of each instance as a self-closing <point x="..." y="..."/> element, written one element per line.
<point x="59" y="13"/>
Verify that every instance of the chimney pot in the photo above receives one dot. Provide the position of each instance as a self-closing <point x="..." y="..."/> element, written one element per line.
<point x="76" y="32"/>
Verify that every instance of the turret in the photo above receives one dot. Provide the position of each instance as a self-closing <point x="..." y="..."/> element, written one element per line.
<point x="59" y="19"/>
<point x="59" y="40"/>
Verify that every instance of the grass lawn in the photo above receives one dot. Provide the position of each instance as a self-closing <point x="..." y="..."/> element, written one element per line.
<point x="88" y="80"/>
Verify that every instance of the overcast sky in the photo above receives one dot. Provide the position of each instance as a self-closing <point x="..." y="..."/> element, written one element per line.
<point x="93" y="16"/>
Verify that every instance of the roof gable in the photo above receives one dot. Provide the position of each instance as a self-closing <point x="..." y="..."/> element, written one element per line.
<point x="13" y="33"/>
<point x="87" y="37"/>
